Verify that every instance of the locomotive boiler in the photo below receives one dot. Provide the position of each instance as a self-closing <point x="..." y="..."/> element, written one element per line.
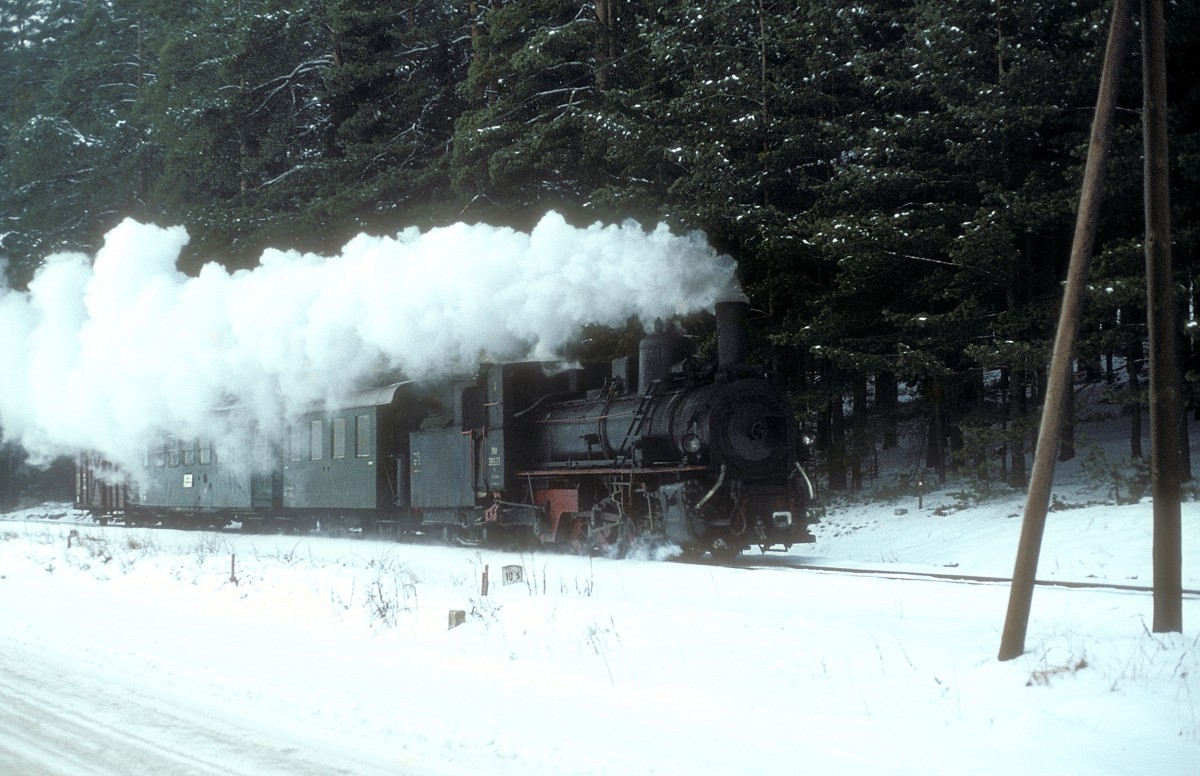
<point x="706" y="454"/>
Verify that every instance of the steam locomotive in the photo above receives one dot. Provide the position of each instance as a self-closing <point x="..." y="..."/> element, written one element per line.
<point x="666" y="446"/>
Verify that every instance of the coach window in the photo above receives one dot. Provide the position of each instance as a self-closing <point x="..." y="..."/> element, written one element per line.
<point x="189" y="453"/>
<point x="160" y="453"/>
<point x="173" y="451"/>
<point x="317" y="438"/>
<point x="205" y="453"/>
<point x="297" y="444"/>
<point x="362" y="436"/>
<point x="339" y="437"/>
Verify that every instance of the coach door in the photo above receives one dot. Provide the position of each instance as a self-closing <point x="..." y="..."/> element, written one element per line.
<point x="266" y="484"/>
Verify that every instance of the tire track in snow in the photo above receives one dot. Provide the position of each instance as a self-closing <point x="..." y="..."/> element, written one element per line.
<point x="65" y="711"/>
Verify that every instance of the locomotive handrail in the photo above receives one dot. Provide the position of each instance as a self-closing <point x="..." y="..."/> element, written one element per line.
<point x="541" y="400"/>
<point x="548" y="421"/>
<point x="715" y="488"/>
<point x="639" y="416"/>
<point x="812" y="493"/>
<point x="565" y="471"/>
<point x="602" y="425"/>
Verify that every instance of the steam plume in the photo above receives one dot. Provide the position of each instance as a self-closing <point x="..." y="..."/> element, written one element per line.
<point x="105" y="353"/>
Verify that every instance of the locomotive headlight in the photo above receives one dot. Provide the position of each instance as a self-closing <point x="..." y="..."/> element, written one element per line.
<point x="782" y="519"/>
<point x="691" y="444"/>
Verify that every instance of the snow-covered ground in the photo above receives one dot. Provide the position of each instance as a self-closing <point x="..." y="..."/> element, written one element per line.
<point x="137" y="651"/>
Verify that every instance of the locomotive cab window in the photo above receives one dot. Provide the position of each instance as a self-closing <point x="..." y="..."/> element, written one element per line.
<point x="339" y="437"/>
<point x="317" y="440"/>
<point x="362" y="436"/>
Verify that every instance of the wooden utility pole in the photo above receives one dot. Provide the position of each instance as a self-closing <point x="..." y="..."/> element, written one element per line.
<point x="1166" y="438"/>
<point x="1059" y="385"/>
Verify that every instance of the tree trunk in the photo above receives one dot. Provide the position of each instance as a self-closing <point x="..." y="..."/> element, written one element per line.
<point x="606" y="15"/>
<point x="1133" y="366"/>
<point x="935" y="451"/>
<point x="1066" y="448"/>
<point x="887" y="401"/>
<point x="1185" y="449"/>
<point x="1005" y="408"/>
<point x="1020" y="406"/>
<point x="860" y="442"/>
<point x="836" y="447"/>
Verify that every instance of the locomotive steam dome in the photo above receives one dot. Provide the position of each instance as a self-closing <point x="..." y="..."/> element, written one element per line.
<point x="658" y="352"/>
<point x="748" y="429"/>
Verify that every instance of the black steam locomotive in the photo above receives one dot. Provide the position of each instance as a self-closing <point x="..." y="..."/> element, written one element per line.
<point x="668" y="446"/>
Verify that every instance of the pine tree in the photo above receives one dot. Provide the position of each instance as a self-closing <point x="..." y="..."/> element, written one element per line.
<point x="48" y="147"/>
<point x="392" y="98"/>
<point x="547" y="118"/>
<point x="237" y="106"/>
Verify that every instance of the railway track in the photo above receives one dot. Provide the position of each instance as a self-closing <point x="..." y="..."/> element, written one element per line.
<point x="885" y="572"/>
<point x="749" y="561"/>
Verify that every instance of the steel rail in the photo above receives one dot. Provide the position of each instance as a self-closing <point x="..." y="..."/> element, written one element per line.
<point x="911" y="574"/>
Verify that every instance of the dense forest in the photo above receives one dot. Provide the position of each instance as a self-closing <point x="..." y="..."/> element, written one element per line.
<point x="897" y="179"/>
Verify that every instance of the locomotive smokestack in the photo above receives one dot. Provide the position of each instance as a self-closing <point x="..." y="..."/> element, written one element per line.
<point x="731" y="334"/>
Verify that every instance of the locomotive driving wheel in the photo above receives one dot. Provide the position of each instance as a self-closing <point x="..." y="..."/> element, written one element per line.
<point x="722" y="550"/>
<point x="608" y="530"/>
<point x="610" y="538"/>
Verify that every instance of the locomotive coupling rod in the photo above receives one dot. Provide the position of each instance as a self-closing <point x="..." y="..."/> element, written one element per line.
<point x="715" y="488"/>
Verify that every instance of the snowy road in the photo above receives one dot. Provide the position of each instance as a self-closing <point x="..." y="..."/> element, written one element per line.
<point x="61" y="718"/>
<point x="76" y="701"/>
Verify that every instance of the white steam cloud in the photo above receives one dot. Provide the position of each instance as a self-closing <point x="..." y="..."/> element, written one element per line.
<point x="105" y="354"/>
